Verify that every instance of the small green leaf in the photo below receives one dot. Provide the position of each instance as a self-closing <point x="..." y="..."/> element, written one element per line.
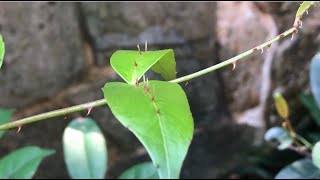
<point x="281" y="135"/>
<point x="22" y="163"/>
<point x="5" y="116"/>
<point x="309" y="102"/>
<point x="301" y="169"/>
<point x="281" y="105"/>
<point x="131" y="65"/>
<point x="159" y="115"/>
<point x="85" y="150"/>
<point x="2" y="50"/>
<point x="304" y="7"/>
<point x="141" y="171"/>
<point x="316" y="154"/>
<point x="315" y="78"/>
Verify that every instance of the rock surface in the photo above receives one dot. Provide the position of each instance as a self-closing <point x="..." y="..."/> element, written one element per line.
<point x="43" y="51"/>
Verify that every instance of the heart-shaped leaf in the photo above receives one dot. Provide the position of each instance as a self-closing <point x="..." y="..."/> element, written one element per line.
<point x="301" y="169"/>
<point x="22" y="163"/>
<point x="141" y="171"/>
<point x="131" y="65"/>
<point x="159" y="115"/>
<point x="2" y="50"/>
<point x="5" y="116"/>
<point x="315" y="78"/>
<point x="85" y="150"/>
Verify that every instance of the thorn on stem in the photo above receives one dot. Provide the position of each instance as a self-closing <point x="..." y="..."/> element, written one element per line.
<point x="300" y="24"/>
<point x="139" y="49"/>
<point x="268" y="47"/>
<point x="186" y="83"/>
<point x="234" y="65"/>
<point x="19" y="128"/>
<point x="89" y="110"/>
<point x="281" y="36"/>
<point x="146" y="46"/>
<point x="262" y="50"/>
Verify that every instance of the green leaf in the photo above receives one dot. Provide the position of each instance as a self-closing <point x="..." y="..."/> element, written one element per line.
<point x="309" y="102"/>
<point x="301" y="169"/>
<point x="2" y="50"/>
<point x="85" y="150"/>
<point x="315" y="78"/>
<point x="141" y="171"/>
<point x="22" y="163"/>
<point x="131" y="65"/>
<point x="281" y="135"/>
<point x="5" y="116"/>
<point x="304" y="7"/>
<point x="281" y="105"/>
<point x="316" y="154"/>
<point x="164" y="126"/>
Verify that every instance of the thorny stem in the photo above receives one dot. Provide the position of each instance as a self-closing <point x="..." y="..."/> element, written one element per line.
<point x="101" y="102"/>
<point x="304" y="141"/>
<point x="292" y="133"/>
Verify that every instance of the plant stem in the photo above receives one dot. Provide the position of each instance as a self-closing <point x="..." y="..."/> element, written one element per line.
<point x="55" y="113"/>
<point x="304" y="141"/>
<point x="101" y="102"/>
<point x="234" y="59"/>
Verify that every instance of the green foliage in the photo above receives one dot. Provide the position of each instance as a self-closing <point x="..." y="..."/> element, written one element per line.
<point x="2" y="50"/>
<point x="144" y="170"/>
<point x="159" y="115"/>
<point x="22" y="163"/>
<point x="281" y="135"/>
<point x="301" y="169"/>
<point x="85" y="151"/>
<point x="304" y="7"/>
<point x="315" y="77"/>
<point x="281" y="105"/>
<point x="316" y="154"/>
<point x="309" y="102"/>
<point x="131" y="65"/>
<point x="5" y="116"/>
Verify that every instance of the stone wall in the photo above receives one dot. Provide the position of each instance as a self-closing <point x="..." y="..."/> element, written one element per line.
<point x="58" y="55"/>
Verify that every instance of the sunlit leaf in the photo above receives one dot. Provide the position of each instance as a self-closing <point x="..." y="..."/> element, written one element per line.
<point x="159" y="115"/>
<point x="131" y="65"/>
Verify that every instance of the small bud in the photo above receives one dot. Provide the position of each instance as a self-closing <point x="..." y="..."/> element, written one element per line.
<point x="281" y="105"/>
